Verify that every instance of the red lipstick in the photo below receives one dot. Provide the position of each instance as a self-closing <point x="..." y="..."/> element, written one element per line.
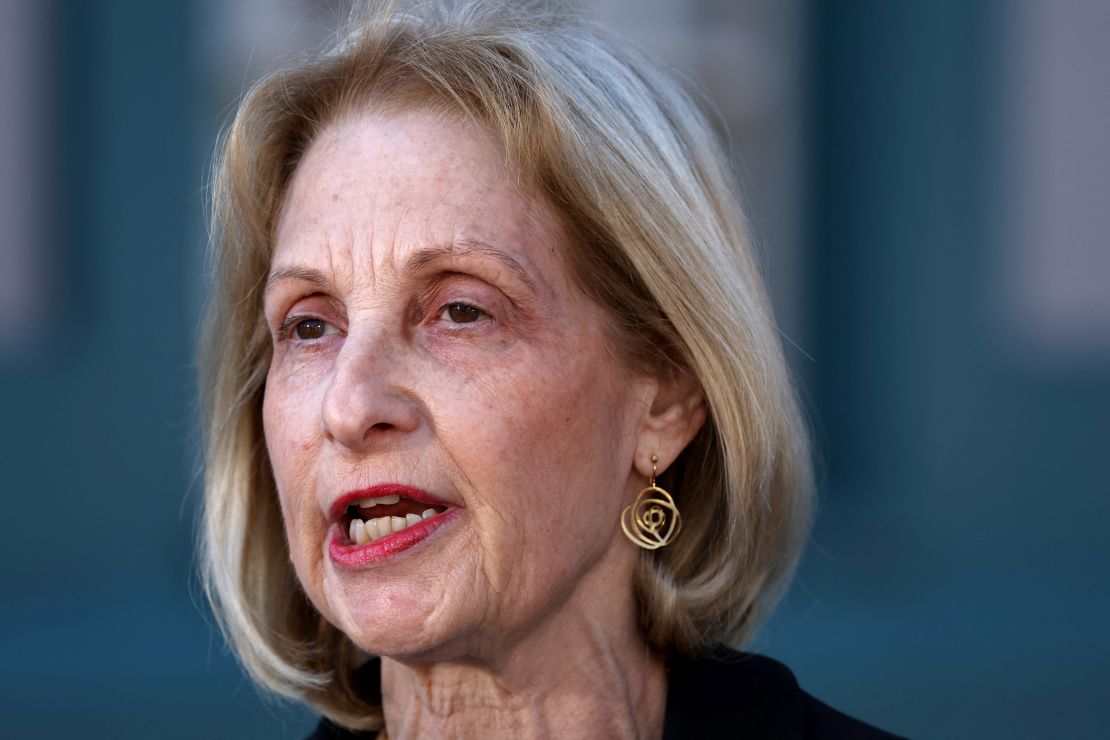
<point x="347" y="554"/>
<point x="385" y="489"/>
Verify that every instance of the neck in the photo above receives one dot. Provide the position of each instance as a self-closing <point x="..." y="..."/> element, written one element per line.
<point x="579" y="673"/>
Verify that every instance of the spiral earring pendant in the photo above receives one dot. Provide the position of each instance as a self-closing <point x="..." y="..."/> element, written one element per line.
<point x="652" y="520"/>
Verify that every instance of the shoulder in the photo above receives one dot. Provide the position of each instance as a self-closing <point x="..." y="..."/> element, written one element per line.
<point x="730" y="694"/>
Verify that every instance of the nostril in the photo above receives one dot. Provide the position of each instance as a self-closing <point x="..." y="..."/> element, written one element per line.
<point x="359" y="410"/>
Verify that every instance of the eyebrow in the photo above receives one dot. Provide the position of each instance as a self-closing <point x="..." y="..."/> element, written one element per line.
<point x="423" y="257"/>
<point x="313" y="277"/>
<point x="414" y="263"/>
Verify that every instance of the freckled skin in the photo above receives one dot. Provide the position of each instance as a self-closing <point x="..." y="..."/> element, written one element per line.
<point x="524" y="419"/>
<point x="476" y="414"/>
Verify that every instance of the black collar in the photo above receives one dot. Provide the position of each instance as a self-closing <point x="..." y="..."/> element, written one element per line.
<point x="730" y="694"/>
<point x="723" y="694"/>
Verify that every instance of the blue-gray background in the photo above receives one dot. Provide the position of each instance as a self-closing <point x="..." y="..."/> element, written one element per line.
<point x="929" y="185"/>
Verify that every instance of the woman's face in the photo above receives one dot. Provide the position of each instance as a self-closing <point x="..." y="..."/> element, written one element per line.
<point x="432" y="357"/>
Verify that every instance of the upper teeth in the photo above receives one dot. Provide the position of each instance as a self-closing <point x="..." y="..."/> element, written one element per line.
<point x="372" y="529"/>
<point x="366" y="503"/>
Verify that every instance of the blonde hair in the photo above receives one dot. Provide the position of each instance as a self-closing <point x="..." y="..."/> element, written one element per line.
<point x="657" y="238"/>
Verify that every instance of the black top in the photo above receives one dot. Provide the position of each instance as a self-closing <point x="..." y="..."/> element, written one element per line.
<point x="725" y="695"/>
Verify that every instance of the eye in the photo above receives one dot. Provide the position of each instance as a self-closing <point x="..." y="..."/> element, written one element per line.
<point x="310" y="329"/>
<point x="462" y="313"/>
<point x="307" y="329"/>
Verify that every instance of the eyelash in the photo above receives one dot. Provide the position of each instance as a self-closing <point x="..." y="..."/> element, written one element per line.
<point x="446" y="308"/>
<point x="290" y="324"/>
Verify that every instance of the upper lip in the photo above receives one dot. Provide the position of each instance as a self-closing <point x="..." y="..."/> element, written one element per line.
<point x="383" y="489"/>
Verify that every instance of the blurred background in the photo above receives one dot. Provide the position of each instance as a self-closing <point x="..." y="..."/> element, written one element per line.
<point x="929" y="186"/>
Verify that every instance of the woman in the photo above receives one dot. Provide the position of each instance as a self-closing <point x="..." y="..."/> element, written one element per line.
<point x="500" y="438"/>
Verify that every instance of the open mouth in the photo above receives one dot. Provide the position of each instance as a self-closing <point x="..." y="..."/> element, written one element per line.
<point x="370" y="519"/>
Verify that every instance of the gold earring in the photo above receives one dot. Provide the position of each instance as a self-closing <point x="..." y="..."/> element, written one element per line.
<point x="652" y="520"/>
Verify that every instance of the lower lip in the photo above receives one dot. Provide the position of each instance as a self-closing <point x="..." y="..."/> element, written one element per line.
<point x="347" y="555"/>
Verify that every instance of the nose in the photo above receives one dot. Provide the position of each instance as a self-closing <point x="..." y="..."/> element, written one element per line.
<point x="366" y="402"/>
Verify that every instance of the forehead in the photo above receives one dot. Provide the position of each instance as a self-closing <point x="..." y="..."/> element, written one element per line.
<point x="379" y="187"/>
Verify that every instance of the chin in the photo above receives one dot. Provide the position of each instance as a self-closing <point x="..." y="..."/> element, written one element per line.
<point x="412" y="620"/>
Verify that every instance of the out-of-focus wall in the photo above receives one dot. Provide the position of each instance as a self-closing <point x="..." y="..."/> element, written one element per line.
<point x="1053" y="250"/>
<point x="926" y="183"/>
<point x="23" y="243"/>
<point x="958" y="249"/>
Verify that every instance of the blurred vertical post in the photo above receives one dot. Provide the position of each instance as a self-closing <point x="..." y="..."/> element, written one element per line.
<point x="23" y="247"/>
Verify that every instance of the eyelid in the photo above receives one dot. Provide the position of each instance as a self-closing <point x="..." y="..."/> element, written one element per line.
<point x="290" y="323"/>
<point x="485" y="263"/>
<point x="316" y="305"/>
<point x="465" y="288"/>
<point x="286" y="325"/>
<point x="485" y="313"/>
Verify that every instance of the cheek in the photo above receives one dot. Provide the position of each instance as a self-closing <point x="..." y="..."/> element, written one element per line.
<point x="570" y="417"/>
<point x="287" y="420"/>
<point x="291" y="422"/>
<point x="544" y="442"/>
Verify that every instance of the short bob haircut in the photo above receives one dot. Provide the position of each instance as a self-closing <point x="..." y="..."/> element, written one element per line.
<point x="656" y="237"/>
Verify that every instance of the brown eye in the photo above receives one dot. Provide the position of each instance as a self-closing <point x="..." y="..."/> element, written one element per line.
<point x="311" y="329"/>
<point x="461" y="313"/>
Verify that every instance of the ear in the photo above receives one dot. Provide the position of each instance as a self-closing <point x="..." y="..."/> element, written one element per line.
<point x="676" y="411"/>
